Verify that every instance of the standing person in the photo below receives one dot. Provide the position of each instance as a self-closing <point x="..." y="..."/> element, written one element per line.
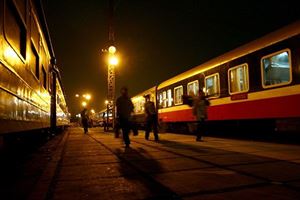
<point x="151" y="118"/>
<point x="200" y="105"/>
<point x="124" y="110"/>
<point x="85" y="120"/>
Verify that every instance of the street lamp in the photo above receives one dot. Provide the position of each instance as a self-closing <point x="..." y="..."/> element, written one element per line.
<point x="112" y="62"/>
<point x="84" y="104"/>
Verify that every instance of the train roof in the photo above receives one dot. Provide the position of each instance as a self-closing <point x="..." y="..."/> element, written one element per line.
<point x="144" y="92"/>
<point x="267" y="40"/>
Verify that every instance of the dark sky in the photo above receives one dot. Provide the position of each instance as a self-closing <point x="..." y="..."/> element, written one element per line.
<point x="157" y="39"/>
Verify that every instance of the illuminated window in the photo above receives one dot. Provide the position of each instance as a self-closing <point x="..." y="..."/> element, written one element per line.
<point x="15" y="31"/>
<point x="276" y="69"/>
<point x="238" y="79"/>
<point x="193" y="88"/>
<point x="170" y="99"/>
<point x="212" y="85"/>
<point x="165" y="99"/>
<point x="160" y="100"/>
<point x="178" y="92"/>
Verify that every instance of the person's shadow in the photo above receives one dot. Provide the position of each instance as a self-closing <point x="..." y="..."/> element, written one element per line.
<point x="139" y="167"/>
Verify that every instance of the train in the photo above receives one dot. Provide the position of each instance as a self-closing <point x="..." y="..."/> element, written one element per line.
<point x="32" y="96"/>
<point x="255" y="87"/>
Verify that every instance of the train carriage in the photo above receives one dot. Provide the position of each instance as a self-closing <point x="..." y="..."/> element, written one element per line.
<point x="139" y="102"/>
<point x="31" y="92"/>
<point x="255" y="84"/>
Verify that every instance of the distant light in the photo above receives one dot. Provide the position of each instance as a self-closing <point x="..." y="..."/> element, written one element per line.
<point x="106" y="102"/>
<point x="93" y="111"/>
<point x="87" y="96"/>
<point x="113" y="60"/>
<point x="77" y="95"/>
<point x="112" y="49"/>
<point x="84" y="104"/>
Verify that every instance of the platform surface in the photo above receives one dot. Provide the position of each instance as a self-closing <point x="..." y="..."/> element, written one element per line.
<point x="98" y="166"/>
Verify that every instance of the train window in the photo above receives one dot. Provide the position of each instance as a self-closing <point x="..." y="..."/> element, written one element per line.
<point x="165" y="99"/>
<point x="160" y="100"/>
<point x="193" y="88"/>
<point x="170" y="99"/>
<point x="178" y="92"/>
<point x="212" y="85"/>
<point x="15" y="31"/>
<point x="44" y="77"/>
<point x="276" y="69"/>
<point x="238" y="79"/>
<point x="34" y="62"/>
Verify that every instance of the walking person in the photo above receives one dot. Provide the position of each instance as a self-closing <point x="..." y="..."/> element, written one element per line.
<point x="124" y="109"/>
<point x="84" y="120"/>
<point x="151" y="118"/>
<point x="200" y="105"/>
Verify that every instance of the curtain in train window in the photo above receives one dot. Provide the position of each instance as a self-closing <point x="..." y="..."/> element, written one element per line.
<point x="165" y="99"/>
<point x="178" y="92"/>
<point x="193" y="88"/>
<point x="170" y="99"/>
<point x="15" y="30"/>
<point x="238" y="79"/>
<point x="276" y="69"/>
<point x="212" y="85"/>
<point x="160" y="100"/>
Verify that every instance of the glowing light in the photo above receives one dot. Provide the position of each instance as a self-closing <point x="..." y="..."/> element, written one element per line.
<point x="113" y="60"/>
<point x="84" y="104"/>
<point x="10" y="55"/>
<point x="77" y="95"/>
<point x="87" y="96"/>
<point x="93" y="111"/>
<point x="106" y="102"/>
<point x="112" y="49"/>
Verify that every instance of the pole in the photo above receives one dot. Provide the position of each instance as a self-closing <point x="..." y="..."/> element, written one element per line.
<point x="111" y="68"/>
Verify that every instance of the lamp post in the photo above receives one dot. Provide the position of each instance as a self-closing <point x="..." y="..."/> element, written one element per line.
<point x="112" y="63"/>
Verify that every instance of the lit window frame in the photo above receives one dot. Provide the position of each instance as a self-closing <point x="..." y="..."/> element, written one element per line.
<point x="247" y="75"/>
<point x="190" y="83"/>
<point x="219" y="86"/>
<point x="176" y="88"/>
<point x="262" y="69"/>
<point x="169" y="98"/>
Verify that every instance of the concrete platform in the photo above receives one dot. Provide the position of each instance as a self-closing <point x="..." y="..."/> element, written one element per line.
<point x="98" y="166"/>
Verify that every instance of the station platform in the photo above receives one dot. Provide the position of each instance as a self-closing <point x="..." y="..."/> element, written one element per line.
<point x="98" y="166"/>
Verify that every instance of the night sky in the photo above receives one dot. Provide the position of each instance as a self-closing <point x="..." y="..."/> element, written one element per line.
<point x="157" y="39"/>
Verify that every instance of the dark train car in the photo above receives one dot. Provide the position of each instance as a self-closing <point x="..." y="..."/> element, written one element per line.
<point x="256" y="86"/>
<point x="31" y="92"/>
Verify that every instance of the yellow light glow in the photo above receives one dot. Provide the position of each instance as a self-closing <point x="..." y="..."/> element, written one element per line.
<point x="93" y="111"/>
<point x="84" y="104"/>
<point x="106" y="102"/>
<point x="87" y="96"/>
<point x="112" y="49"/>
<point x="10" y="55"/>
<point x="77" y="95"/>
<point x="113" y="60"/>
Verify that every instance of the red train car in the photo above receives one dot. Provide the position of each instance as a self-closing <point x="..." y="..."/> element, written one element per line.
<point x="254" y="86"/>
